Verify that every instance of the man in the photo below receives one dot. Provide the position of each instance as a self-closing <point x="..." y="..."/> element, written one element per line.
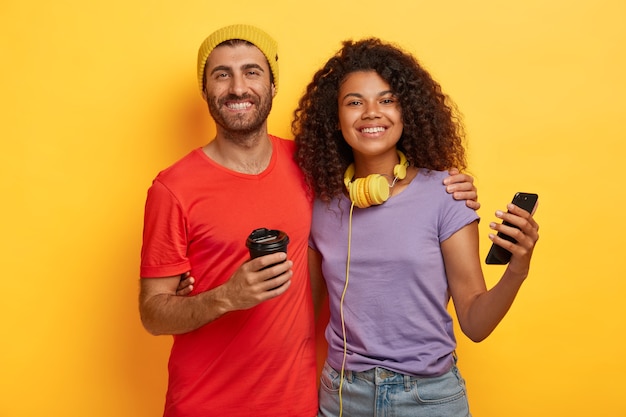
<point x="244" y="340"/>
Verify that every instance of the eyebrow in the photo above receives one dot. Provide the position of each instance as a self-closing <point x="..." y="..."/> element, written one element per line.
<point x="243" y="67"/>
<point x="358" y="95"/>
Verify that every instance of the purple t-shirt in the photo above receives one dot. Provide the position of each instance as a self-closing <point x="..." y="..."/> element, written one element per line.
<point x="395" y="306"/>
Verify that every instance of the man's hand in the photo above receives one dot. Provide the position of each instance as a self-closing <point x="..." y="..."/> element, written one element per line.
<point x="257" y="280"/>
<point x="185" y="285"/>
<point x="461" y="186"/>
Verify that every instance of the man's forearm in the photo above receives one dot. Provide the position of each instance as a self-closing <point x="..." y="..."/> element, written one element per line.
<point x="171" y="314"/>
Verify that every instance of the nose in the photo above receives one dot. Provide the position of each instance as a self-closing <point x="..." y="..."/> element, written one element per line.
<point x="238" y="85"/>
<point x="370" y="111"/>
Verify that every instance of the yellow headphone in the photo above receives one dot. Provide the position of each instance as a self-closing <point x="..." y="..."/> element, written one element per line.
<point x="373" y="189"/>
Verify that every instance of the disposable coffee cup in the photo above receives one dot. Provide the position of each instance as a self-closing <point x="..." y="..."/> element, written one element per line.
<point x="264" y="241"/>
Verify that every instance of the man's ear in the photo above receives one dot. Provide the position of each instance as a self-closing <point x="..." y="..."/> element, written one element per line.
<point x="204" y="96"/>
<point x="273" y="90"/>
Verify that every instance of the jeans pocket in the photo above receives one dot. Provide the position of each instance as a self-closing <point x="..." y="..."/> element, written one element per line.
<point x="329" y="379"/>
<point x="439" y="390"/>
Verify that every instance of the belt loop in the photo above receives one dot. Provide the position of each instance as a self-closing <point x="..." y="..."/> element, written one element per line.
<point x="349" y="376"/>
<point x="407" y="383"/>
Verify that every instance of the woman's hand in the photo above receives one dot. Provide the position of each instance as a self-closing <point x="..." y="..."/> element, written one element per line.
<point x="185" y="286"/>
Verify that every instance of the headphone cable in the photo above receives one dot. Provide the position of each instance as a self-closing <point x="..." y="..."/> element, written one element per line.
<point x="343" y="323"/>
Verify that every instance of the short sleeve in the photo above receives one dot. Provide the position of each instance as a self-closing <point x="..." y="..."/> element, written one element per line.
<point x="164" y="249"/>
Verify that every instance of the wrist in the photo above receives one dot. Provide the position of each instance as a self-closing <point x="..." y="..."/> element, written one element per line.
<point x="218" y="301"/>
<point x="515" y="273"/>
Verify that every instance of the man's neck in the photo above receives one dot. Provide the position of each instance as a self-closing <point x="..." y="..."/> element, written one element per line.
<point x="248" y="154"/>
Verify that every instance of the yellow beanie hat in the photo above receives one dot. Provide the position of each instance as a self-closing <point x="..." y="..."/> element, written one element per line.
<point x="249" y="33"/>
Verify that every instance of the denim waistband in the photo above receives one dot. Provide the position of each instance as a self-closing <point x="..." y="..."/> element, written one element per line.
<point x="380" y="376"/>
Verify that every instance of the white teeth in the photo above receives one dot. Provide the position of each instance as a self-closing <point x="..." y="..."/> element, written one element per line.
<point x="239" y="106"/>
<point x="373" y="129"/>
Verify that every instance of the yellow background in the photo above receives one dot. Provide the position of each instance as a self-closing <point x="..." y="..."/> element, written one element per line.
<point x="97" y="97"/>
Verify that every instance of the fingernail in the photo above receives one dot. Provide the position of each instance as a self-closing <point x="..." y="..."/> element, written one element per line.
<point x="499" y="213"/>
<point x="492" y="225"/>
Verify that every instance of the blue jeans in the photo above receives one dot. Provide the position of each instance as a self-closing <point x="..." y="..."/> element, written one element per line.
<point x="382" y="393"/>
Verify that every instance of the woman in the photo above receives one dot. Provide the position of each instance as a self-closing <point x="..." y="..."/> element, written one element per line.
<point x="374" y="130"/>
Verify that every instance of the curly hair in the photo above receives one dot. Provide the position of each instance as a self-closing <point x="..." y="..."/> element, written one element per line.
<point x="433" y="133"/>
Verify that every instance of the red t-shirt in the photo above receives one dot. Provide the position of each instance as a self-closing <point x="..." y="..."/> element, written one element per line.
<point x="255" y="362"/>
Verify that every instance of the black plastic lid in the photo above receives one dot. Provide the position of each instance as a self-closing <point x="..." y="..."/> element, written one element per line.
<point x="264" y="239"/>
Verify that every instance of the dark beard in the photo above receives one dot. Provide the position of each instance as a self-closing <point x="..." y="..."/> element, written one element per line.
<point x="241" y="127"/>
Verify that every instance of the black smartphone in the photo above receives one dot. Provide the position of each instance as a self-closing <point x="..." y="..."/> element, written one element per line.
<point x="498" y="255"/>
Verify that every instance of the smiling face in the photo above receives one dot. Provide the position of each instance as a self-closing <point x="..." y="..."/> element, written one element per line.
<point x="238" y="89"/>
<point x="370" y="116"/>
